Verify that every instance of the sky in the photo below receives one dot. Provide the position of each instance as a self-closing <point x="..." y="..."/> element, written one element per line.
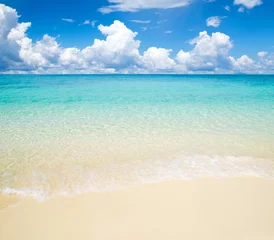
<point x="140" y="36"/>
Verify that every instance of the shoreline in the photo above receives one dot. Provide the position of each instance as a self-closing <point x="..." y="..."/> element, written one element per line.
<point x="207" y="208"/>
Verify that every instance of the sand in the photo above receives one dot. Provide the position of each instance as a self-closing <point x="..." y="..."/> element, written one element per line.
<point x="231" y="208"/>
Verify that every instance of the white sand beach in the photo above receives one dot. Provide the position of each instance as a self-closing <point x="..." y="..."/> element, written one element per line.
<point x="211" y="208"/>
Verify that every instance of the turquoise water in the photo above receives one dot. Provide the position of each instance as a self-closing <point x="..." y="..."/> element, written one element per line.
<point x="64" y="134"/>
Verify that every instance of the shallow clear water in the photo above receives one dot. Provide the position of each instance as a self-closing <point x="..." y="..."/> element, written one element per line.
<point x="74" y="133"/>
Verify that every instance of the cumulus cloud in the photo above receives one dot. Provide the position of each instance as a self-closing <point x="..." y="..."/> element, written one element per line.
<point x="120" y="49"/>
<point x="72" y="57"/>
<point x="117" y="52"/>
<point x="43" y="53"/>
<point x="12" y="34"/>
<point x="249" y="4"/>
<point x="157" y="59"/>
<point x="209" y="53"/>
<point x="244" y="64"/>
<point x="262" y="54"/>
<point x="266" y="62"/>
<point x="134" y="6"/>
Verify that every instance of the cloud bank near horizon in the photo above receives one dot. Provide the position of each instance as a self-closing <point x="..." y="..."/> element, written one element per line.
<point x="118" y="52"/>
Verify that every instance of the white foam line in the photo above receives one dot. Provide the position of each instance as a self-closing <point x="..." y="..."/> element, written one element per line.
<point x="126" y="175"/>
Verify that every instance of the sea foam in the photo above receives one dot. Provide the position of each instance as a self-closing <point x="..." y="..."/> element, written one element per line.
<point x="119" y="176"/>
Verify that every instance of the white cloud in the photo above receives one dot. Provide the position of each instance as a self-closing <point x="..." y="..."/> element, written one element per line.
<point x="136" y="5"/>
<point x="118" y="52"/>
<point x="93" y="23"/>
<point x="72" y="57"/>
<point x="157" y="59"/>
<point x="162" y="21"/>
<point x="120" y="48"/>
<point x="244" y="64"/>
<point x="244" y="61"/>
<point x="206" y="45"/>
<point x="140" y="21"/>
<point x="214" y="21"/>
<point x="17" y="33"/>
<point x="227" y="8"/>
<point x="88" y="22"/>
<point x="43" y="53"/>
<point x="48" y="48"/>
<point x="266" y="62"/>
<point x="168" y="32"/>
<point x="249" y="4"/>
<point x="11" y="33"/>
<point x="68" y="20"/>
<point x="241" y="9"/>
<point x="209" y="53"/>
<point x="262" y="54"/>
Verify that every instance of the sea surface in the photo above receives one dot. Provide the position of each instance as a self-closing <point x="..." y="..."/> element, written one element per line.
<point x="67" y="134"/>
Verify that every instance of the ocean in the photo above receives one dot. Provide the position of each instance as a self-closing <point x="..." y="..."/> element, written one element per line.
<point x="68" y="134"/>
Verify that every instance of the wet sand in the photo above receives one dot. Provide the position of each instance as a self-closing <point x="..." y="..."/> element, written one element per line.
<point x="228" y="208"/>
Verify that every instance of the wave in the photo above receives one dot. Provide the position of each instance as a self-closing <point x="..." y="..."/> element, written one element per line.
<point x="43" y="184"/>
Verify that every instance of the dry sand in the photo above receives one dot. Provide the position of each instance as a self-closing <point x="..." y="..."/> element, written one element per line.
<point x="234" y="208"/>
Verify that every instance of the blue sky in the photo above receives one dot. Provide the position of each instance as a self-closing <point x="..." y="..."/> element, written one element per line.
<point x="248" y="23"/>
